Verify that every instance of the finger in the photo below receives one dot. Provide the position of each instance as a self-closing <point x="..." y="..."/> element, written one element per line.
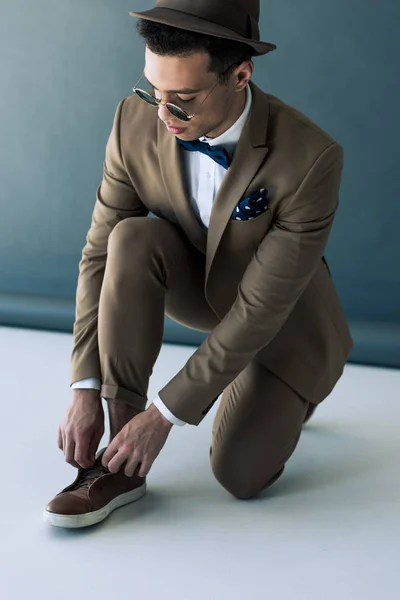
<point x="93" y="447"/>
<point x="82" y="454"/>
<point x="117" y="461"/>
<point x="109" y="454"/>
<point x="145" y="467"/>
<point x="65" y="444"/>
<point x="131" y="466"/>
<point x="69" y="452"/>
<point x="60" y="439"/>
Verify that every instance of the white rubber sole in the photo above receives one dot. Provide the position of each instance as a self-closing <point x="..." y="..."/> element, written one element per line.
<point x="88" y="519"/>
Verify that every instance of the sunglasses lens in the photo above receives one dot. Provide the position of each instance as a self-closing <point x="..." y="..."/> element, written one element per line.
<point x="146" y="97"/>
<point x="178" y="113"/>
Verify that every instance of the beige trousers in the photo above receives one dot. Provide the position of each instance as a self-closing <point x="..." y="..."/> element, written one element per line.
<point x="152" y="270"/>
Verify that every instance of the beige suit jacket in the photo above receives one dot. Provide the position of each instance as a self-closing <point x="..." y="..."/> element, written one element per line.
<point x="286" y="312"/>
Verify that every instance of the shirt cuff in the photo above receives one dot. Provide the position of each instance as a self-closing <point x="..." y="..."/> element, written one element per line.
<point x="92" y="383"/>
<point x="158" y="403"/>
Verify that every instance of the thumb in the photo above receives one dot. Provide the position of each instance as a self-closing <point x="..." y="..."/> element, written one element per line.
<point x="94" y="445"/>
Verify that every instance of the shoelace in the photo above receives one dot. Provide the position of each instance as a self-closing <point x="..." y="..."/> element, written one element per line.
<point x="91" y="475"/>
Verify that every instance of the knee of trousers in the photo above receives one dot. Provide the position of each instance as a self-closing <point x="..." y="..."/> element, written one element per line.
<point x="240" y="481"/>
<point x="136" y="239"/>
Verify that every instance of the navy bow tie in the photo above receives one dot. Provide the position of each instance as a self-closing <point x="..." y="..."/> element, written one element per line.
<point x="217" y="153"/>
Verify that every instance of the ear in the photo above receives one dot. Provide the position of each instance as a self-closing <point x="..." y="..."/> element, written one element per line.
<point x="243" y="75"/>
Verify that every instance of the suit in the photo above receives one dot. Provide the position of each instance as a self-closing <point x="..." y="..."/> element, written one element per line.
<point x="265" y="279"/>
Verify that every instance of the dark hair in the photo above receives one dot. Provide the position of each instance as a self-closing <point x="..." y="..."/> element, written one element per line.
<point x="171" y="41"/>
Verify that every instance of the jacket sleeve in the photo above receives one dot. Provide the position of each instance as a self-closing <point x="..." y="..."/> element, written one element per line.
<point x="116" y="200"/>
<point x="278" y="274"/>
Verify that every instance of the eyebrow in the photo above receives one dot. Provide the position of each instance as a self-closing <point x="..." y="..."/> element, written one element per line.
<point x="183" y="91"/>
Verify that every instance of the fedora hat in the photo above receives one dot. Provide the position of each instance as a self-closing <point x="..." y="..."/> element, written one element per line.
<point x="235" y="20"/>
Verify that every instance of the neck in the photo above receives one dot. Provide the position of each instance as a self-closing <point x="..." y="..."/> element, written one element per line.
<point x="234" y="114"/>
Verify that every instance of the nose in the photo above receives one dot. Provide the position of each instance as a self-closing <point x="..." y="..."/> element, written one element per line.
<point x="164" y="113"/>
<point x="166" y="118"/>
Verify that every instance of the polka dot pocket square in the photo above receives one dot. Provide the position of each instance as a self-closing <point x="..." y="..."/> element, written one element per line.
<point x="251" y="207"/>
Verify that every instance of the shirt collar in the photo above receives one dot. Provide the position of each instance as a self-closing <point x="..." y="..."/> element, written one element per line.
<point x="230" y="138"/>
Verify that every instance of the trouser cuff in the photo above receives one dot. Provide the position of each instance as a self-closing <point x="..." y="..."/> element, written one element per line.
<point x="116" y="392"/>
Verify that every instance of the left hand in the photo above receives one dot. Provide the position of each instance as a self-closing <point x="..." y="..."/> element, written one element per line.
<point x="140" y="441"/>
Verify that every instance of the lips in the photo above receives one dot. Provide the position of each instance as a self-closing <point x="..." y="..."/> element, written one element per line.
<point x="175" y="130"/>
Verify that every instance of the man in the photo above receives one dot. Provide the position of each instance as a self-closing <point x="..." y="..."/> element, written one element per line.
<point x="245" y="189"/>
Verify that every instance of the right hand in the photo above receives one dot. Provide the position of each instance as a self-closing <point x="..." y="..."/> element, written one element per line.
<point x="82" y="428"/>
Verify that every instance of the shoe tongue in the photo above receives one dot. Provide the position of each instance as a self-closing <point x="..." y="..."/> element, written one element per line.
<point x="89" y="476"/>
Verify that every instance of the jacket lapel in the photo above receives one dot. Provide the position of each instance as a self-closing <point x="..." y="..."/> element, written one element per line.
<point x="250" y="154"/>
<point x="171" y="163"/>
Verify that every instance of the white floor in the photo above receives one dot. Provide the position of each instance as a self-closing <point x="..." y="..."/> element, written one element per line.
<point x="329" y="529"/>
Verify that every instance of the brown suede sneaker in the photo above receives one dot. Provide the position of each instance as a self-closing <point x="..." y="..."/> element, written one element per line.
<point x="93" y="496"/>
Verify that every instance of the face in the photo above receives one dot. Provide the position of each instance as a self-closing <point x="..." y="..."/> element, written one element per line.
<point x="186" y="82"/>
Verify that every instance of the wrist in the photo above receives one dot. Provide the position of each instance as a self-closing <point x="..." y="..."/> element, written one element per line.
<point x="87" y="394"/>
<point x="153" y="410"/>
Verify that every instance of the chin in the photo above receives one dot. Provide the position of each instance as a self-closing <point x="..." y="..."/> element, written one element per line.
<point x="187" y="136"/>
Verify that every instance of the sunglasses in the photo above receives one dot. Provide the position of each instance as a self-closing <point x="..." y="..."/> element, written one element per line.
<point x="175" y="111"/>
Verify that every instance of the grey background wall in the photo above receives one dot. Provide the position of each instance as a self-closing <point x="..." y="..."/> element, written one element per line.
<point x="65" y="66"/>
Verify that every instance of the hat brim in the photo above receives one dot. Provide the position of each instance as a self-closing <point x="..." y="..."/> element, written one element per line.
<point x="176" y="18"/>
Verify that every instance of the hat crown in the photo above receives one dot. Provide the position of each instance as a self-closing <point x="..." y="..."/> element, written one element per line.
<point x="236" y="20"/>
<point x="241" y="16"/>
<point x="251" y="7"/>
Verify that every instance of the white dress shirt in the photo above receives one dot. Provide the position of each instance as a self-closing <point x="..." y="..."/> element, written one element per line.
<point x="204" y="177"/>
